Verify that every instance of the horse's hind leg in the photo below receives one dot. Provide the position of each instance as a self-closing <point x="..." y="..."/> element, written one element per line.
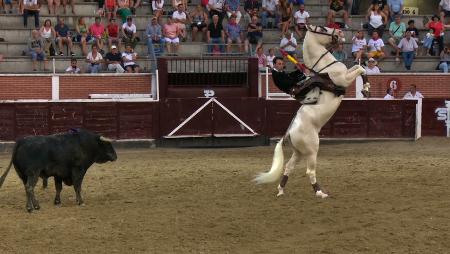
<point x="311" y="162"/>
<point x="290" y="165"/>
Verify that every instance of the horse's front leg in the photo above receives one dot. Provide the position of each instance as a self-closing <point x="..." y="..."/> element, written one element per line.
<point x="354" y="72"/>
<point x="311" y="162"/>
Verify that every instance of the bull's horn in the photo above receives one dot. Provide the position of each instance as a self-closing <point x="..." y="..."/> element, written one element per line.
<point x="106" y="139"/>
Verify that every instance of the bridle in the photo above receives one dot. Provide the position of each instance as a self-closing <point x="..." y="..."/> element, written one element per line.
<point x="334" y="41"/>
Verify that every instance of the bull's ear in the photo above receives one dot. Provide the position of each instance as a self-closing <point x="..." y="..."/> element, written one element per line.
<point x="106" y="139"/>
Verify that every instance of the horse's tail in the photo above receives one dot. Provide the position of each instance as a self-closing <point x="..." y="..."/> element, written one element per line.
<point x="277" y="166"/>
<point x="3" y="177"/>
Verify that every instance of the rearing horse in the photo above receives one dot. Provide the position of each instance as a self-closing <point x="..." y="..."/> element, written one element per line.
<point x="303" y="133"/>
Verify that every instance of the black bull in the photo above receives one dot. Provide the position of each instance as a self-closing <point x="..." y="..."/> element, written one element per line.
<point x="66" y="157"/>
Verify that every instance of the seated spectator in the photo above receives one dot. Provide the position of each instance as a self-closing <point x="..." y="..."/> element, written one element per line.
<point x="269" y="10"/>
<point x="53" y="5"/>
<point x="427" y="42"/>
<point x="444" y="9"/>
<point x="113" y="33"/>
<point x="36" y="49"/>
<point x="383" y="6"/>
<point x="445" y="60"/>
<point x="395" y="7"/>
<point x="270" y="57"/>
<point x="129" y="33"/>
<point x="30" y="8"/>
<point x="199" y="22"/>
<point x="333" y="24"/>
<point x="289" y="44"/>
<point x="286" y="15"/>
<point x="110" y="8"/>
<point x="414" y="31"/>
<point x="359" y="46"/>
<point x="113" y="60"/>
<point x="389" y="94"/>
<point x="73" y="68"/>
<point x="337" y="8"/>
<point x="175" y="4"/>
<point x="83" y="35"/>
<point x="215" y="34"/>
<point x="371" y="67"/>
<point x="96" y="30"/>
<point x="216" y="7"/>
<point x="129" y="60"/>
<point x="7" y="2"/>
<point x="180" y="19"/>
<point x="413" y="93"/>
<point x="396" y="31"/>
<point x="436" y="24"/>
<point x="339" y="53"/>
<point x="124" y="9"/>
<point x="251" y="8"/>
<point x="72" y="5"/>
<point x="232" y="7"/>
<point x="408" y="46"/>
<point x="94" y="59"/>
<point x="301" y="20"/>
<point x="63" y="37"/>
<point x="158" y="9"/>
<point x="48" y="36"/>
<point x="254" y="34"/>
<point x="154" y="36"/>
<point x="376" y="46"/>
<point x="377" y="20"/>
<point x="171" y="33"/>
<point x="262" y="59"/>
<point x="234" y="34"/>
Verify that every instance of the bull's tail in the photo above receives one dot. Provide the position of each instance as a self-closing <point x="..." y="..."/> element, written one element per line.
<point x="2" y="179"/>
<point x="277" y="166"/>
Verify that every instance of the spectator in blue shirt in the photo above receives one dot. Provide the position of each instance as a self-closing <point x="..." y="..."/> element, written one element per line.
<point x="234" y="34"/>
<point x="63" y="36"/>
<point x="154" y="35"/>
<point x="395" y="7"/>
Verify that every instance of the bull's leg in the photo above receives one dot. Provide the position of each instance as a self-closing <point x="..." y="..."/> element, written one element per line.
<point x="44" y="182"/>
<point x="311" y="162"/>
<point x="77" y="187"/>
<point x="32" y="202"/>
<point x="290" y="165"/>
<point x="58" y="187"/>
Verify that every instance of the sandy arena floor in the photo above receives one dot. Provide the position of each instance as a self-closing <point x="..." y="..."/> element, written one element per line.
<point x="386" y="197"/>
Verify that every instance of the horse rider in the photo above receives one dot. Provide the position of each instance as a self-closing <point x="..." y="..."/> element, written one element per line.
<point x="295" y="83"/>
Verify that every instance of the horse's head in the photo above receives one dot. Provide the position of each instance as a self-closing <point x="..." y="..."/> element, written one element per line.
<point x="325" y="36"/>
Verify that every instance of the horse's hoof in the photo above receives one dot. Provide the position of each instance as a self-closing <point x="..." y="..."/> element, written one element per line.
<point x="321" y="194"/>
<point x="37" y="207"/>
<point x="29" y="209"/>
<point x="57" y="202"/>
<point x="280" y="191"/>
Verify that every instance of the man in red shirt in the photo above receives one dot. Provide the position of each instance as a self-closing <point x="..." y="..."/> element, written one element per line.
<point x="113" y="33"/>
<point x="96" y="31"/>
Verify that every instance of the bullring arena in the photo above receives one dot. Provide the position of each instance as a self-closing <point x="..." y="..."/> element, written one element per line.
<point x="193" y="129"/>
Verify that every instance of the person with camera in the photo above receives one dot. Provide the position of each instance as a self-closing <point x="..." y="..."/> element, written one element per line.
<point x="445" y="60"/>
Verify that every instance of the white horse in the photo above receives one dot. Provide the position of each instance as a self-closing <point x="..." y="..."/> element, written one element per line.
<point x="303" y="133"/>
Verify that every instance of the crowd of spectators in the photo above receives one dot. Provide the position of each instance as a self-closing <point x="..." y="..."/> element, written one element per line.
<point x="243" y="30"/>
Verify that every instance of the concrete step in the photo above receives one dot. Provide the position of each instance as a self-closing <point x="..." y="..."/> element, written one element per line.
<point x="88" y="8"/>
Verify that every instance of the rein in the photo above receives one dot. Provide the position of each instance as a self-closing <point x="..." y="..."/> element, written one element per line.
<point x="333" y="42"/>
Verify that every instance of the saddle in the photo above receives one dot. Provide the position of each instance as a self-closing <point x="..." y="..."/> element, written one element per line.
<point x="308" y="90"/>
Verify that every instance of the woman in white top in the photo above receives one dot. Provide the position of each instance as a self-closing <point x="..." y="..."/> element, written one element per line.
<point x="94" y="59"/>
<point x="48" y="35"/>
<point x="157" y="7"/>
<point x="377" y="20"/>
<point x="359" y="46"/>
